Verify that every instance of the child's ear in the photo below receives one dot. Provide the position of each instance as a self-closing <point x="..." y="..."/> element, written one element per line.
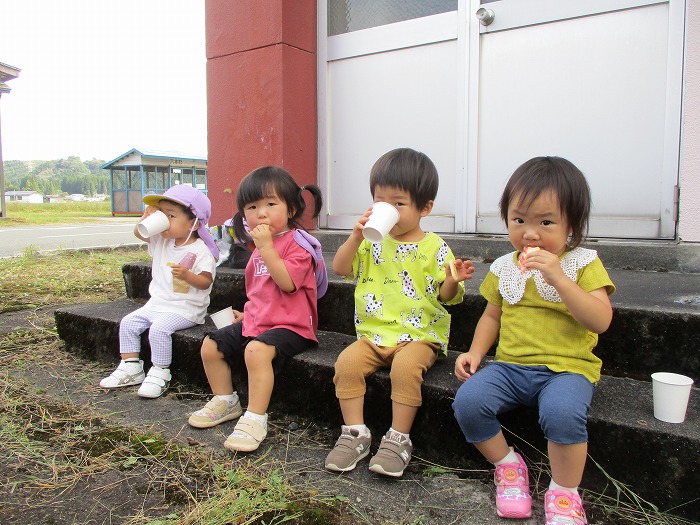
<point x="427" y="209"/>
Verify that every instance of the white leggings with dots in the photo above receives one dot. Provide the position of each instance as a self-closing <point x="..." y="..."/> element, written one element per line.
<point x="161" y="324"/>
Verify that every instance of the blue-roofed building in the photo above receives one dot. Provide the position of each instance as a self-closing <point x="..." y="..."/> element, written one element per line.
<point x="139" y="172"/>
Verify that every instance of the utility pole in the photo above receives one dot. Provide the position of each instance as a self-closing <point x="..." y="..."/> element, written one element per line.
<point x="7" y="73"/>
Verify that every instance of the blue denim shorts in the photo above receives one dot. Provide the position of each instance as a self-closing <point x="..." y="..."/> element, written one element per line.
<point x="563" y="399"/>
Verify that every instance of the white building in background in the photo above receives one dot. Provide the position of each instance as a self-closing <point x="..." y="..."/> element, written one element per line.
<point x="33" y="197"/>
<point x="75" y="197"/>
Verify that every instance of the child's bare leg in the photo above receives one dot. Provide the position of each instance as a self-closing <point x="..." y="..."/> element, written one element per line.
<point x="353" y="410"/>
<point x="402" y="417"/>
<point x="217" y="369"/>
<point x="130" y="355"/>
<point x="567" y="463"/>
<point x="494" y="449"/>
<point x="261" y="377"/>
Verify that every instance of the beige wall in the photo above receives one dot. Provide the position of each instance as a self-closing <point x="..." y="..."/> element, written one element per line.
<point x="689" y="215"/>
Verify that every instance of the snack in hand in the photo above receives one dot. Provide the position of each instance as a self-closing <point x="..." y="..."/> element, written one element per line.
<point x="179" y="285"/>
<point x="523" y="255"/>
<point x="188" y="260"/>
<point x="453" y="268"/>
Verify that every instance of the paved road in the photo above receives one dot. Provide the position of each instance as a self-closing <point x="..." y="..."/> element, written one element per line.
<point x="115" y="231"/>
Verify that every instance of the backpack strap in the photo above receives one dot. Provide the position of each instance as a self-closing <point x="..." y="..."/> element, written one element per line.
<point x="313" y="246"/>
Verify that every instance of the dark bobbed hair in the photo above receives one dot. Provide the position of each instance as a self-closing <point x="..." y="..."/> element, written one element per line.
<point x="409" y="170"/>
<point x="273" y="180"/>
<point x="564" y="179"/>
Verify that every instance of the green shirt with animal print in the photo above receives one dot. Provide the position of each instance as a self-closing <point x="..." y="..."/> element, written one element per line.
<point x="397" y="288"/>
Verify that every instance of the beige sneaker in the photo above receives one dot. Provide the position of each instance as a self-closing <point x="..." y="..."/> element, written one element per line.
<point x="393" y="455"/>
<point x="246" y="436"/>
<point x="348" y="450"/>
<point x="216" y="411"/>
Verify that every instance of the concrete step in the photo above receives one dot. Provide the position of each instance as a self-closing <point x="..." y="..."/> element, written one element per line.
<point x="656" y="322"/>
<point x="656" y="460"/>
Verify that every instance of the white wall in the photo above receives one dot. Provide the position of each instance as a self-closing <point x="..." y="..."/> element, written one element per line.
<point x="34" y="198"/>
<point x="689" y="215"/>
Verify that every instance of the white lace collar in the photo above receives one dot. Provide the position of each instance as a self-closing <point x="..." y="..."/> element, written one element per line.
<point x="511" y="281"/>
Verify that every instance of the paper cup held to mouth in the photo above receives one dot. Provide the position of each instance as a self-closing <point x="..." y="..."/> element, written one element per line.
<point x="156" y="222"/>
<point x="384" y="217"/>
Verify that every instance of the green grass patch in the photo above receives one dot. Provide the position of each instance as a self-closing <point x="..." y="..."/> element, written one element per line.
<point x="21" y="213"/>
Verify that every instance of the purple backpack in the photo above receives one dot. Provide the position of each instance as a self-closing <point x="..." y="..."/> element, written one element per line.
<point x="311" y="245"/>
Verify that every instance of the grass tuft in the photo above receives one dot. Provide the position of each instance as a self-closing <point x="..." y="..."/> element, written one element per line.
<point x="66" y="277"/>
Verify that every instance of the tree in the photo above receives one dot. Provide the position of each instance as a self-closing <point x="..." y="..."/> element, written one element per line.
<point x="30" y="184"/>
<point x="15" y="170"/>
<point x="51" y="177"/>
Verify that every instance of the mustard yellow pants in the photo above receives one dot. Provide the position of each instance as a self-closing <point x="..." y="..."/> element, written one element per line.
<point x="408" y="363"/>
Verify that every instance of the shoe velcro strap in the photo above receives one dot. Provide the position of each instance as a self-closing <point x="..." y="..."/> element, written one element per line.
<point x="160" y="373"/>
<point x="249" y="427"/>
<point x="121" y="375"/>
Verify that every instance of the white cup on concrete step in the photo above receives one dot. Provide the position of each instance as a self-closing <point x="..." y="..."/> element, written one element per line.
<point x="671" y="394"/>
<point x="223" y="317"/>
<point x="156" y="222"/>
<point x="384" y="217"/>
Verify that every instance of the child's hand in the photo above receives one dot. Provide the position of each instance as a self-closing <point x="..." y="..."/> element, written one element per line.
<point x="149" y="210"/>
<point x="460" y="270"/>
<point x="548" y="265"/>
<point x="466" y="365"/>
<point x="360" y="225"/>
<point x="237" y="316"/>
<point x="179" y="271"/>
<point x="261" y="236"/>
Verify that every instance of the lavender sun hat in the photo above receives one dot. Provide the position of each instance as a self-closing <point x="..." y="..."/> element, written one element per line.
<point x="196" y="201"/>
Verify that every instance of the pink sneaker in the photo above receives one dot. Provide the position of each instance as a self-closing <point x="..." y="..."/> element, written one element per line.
<point x="513" y="490"/>
<point x="562" y="507"/>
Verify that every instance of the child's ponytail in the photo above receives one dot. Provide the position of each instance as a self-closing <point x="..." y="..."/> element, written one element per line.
<point x="318" y="200"/>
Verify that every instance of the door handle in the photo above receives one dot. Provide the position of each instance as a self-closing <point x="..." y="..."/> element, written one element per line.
<point x="485" y="16"/>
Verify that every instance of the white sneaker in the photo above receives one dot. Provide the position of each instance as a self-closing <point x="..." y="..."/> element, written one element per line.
<point x="128" y="373"/>
<point x="156" y="382"/>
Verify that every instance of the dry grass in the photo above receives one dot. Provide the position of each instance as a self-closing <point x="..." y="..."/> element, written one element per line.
<point x="58" y="455"/>
<point x="66" y="277"/>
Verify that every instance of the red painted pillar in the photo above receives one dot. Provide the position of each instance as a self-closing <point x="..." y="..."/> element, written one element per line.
<point x="261" y="93"/>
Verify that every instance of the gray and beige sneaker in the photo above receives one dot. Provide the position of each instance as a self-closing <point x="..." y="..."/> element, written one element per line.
<point x="348" y="450"/>
<point x="216" y="411"/>
<point x="393" y="455"/>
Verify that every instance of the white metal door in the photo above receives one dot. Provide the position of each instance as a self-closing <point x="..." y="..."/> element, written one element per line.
<point x="394" y="85"/>
<point x="597" y="82"/>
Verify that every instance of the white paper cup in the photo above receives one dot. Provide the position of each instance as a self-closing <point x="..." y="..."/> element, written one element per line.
<point x="671" y="393"/>
<point x="223" y="317"/>
<point x="384" y="217"/>
<point x="155" y="223"/>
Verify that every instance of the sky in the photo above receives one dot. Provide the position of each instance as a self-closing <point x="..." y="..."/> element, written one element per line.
<point x="100" y="77"/>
